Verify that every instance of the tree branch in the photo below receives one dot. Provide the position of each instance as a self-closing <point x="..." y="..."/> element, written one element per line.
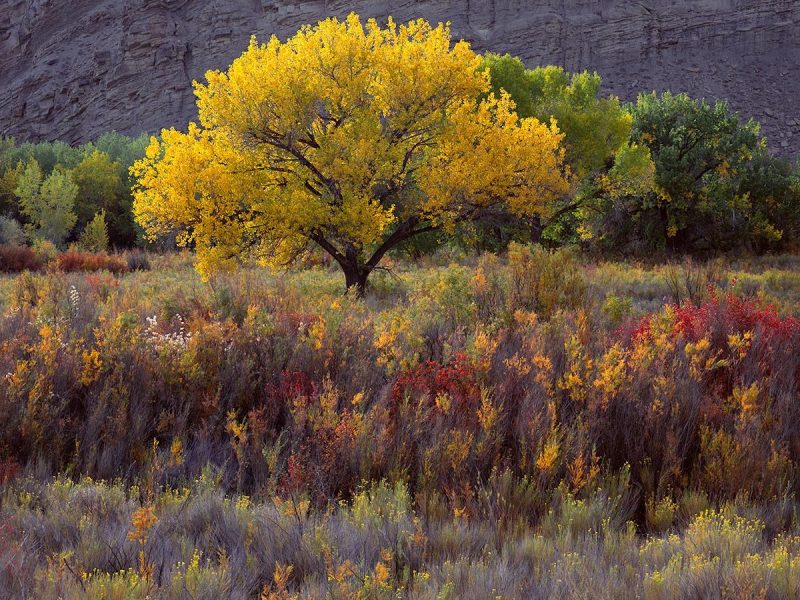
<point x="328" y="247"/>
<point x="404" y="232"/>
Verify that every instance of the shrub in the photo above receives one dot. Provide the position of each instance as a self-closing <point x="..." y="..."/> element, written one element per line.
<point x="453" y="385"/>
<point x="15" y="259"/>
<point x="545" y="281"/>
<point x="95" y="235"/>
<point x="45" y="250"/>
<point x="719" y="318"/>
<point x="137" y="261"/>
<point x="72" y="261"/>
<point x="510" y="443"/>
<point x="11" y="232"/>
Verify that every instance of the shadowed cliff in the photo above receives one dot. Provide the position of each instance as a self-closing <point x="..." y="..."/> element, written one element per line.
<point x="72" y="70"/>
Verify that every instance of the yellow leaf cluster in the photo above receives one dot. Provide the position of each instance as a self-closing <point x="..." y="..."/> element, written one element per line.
<point x="341" y="136"/>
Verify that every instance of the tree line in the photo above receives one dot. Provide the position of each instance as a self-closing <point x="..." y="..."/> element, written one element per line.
<point x="56" y="193"/>
<point x="358" y="141"/>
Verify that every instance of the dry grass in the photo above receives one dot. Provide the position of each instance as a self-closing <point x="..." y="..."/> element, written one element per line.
<point x="517" y="426"/>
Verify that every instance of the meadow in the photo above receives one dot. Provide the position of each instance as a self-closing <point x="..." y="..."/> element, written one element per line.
<point x="533" y="424"/>
<point x="475" y="359"/>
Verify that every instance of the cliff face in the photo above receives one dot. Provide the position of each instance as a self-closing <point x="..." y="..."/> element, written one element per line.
<point x="71" y="70"/>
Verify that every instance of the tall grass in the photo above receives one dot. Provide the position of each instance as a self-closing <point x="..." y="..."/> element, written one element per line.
<point x="519" y="426"/>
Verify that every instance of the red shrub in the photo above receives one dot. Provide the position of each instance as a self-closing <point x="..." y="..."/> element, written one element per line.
<point x="292" y="385"/>
<point x="9" y="469"/>
<point x="15" y="259"/>
<point x="297" y="477"/>
<point x="719" y="317"/>
<point x="72" y="261"/>
<point x="458" y="379"/>
<point x="730" y="314"/>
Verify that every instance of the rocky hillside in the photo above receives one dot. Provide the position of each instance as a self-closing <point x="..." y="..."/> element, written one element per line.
<point x="72" y="70"/>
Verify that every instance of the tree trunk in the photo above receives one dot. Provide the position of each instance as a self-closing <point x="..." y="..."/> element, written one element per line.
<point x="537" y="229"/>
<point x="355" y="270"/>
<point x="355" y="278"/>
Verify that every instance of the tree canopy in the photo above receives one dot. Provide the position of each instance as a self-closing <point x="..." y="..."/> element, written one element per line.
<point x="715" y="187"/>
<point x="100" y="170"/>
<point x="596" y="129"/>
<point x="47" y="202"/>
<point x="594" y="126"/>
<point x="350" y="137"/>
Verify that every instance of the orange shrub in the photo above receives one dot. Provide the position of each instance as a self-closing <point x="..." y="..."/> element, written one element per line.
<point x="72" y="261"/>
<point x="15" y="259"/>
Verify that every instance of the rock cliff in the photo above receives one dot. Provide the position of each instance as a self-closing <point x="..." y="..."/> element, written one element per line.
<point x="72" y="70"/>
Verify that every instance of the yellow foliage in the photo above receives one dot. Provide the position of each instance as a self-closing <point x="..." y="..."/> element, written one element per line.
<point x="548" y="457"/>
<point x="484" y="346"/>
<point x="91" y="367"/>
<point x="344" y="135"/>
<point x="316" y="333"/>
<point x="381" y="573"/>
<point x="488" y="413"/>
<point x="746" y="398"/>
<point x="581" y="472"/>
<point x="142" y="521"/>
<point x="443" y="402"/>
<point x="740" y="343"/>
<point x="544" y="372"/>
<point x="701" y="359"/>
<point x="575" y="379"/>
<point x="518" y="363"/>
<point x="457" y="449"/>
<point x="176" y="451"/>
<point x="611" y="370"/>
<point x="281" y="579"/>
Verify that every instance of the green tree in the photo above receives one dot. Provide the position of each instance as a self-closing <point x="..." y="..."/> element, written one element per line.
<point x="8" y="184"/>
<point x="94" y="237"/>
<point x="101" y="170"/>
<point x="701" y="199"/>
<point x="124" y="151"/>
<point x="100" y="188"/>
<point x="98" y="181"/>
<point x="772" y="188"/>
<point x="9" y="172"/>
<point x="595" y="128"/>
<point x="47" y="203"/>
<point x="48" y="155"/>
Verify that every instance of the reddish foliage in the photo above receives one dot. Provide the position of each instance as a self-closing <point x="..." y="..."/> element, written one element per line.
<point x="719" y="317"/>
<point x="15" y="259"/>
<point x="10" y="549"/>
<point x="292" y="385"/>
<point x="72" y="261"/>
<point x="639" y="330"/>
<point x="9" y="469"/>
<point x="458" y="379"/>
<point x="297" y="476"/>
<point x="97" y="282"/>
<point x="257" y="420"/>
<point x="730" y="314"/>
<point x="323" y="461"/>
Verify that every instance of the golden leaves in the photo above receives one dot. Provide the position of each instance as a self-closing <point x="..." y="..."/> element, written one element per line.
<point x="342" y="132"/>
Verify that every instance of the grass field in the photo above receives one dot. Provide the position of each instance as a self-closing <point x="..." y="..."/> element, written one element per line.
<point x="534" y="425"/>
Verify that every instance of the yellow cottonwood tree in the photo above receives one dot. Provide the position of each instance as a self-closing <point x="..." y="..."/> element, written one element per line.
<point x="347" y="136"/>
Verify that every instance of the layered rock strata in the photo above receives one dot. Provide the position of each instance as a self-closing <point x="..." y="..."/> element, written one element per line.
<point x="72" y="70"/>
